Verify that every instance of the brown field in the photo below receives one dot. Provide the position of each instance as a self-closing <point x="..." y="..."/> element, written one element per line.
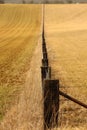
<point x="19" y="32"/>
<point x="66" y="37"/>
<point x="20" y="60"/>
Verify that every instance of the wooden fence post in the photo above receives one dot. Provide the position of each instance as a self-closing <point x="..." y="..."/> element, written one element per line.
<point x="48" y="75"/>
<point x="51" y="103"/>
<point x="45" y="73"/>
<point x="44" y="49"/>
<point x="45" y="55"/>
<point x="44" y="62"/>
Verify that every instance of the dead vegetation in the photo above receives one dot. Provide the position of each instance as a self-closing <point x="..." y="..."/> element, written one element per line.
<point x="66" y="40"/>
<point x="18" y="39"/>
<point x="65" y="27"/>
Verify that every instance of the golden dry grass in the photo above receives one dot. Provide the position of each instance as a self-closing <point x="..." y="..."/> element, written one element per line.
<point x="66" y="36"/>
<point x="19" y="32"/>
<point x="70" y="128"/>
<point x="27" y="113"/>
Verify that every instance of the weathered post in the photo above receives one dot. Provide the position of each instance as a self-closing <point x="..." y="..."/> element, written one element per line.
<point x="44" y="62"/>
<point x="44" y="49"/>
<point x="45" y="56"/>
<point x="48" y="75"/>
<point x="45" y="73"/>
<point x="51" y="103"/>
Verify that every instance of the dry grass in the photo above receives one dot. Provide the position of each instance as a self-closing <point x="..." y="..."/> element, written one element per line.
<point x="66" y="42"/>
<point x="27" y="114"/>
<point x="70" y="128"/>
<point x="66" y="36"/>
<point x="19" y="33"/>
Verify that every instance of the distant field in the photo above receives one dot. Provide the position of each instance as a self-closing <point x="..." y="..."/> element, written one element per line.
<point x="66" y="36"/>
<point x="19" y="33"/>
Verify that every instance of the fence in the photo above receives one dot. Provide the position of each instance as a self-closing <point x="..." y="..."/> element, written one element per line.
<point x="51" y="91"/>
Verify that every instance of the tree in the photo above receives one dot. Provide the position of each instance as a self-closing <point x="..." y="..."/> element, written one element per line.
<point x="23" y="2"/>
<point x="70" y="1"/>
<point x="2" y="2"/>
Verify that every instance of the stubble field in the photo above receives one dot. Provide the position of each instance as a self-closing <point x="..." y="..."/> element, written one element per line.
<point x="65" y="31"/>
<point x="66" y="37"/>
<point x="19" y="33"/>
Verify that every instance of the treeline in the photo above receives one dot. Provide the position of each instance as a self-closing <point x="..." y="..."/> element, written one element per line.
<point x="43" y="1"/>
<point x="2" y="2"/>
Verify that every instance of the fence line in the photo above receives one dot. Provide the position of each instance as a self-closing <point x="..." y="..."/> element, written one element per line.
<point x="51" y="103"/>
<point x="51" y="91"/>
<point x="72" y="99"/>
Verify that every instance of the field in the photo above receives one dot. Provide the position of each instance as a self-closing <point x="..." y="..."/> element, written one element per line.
<point x="21" y="101"/>
<point x="66" y="39"/>
<point x="19" y="32"/>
